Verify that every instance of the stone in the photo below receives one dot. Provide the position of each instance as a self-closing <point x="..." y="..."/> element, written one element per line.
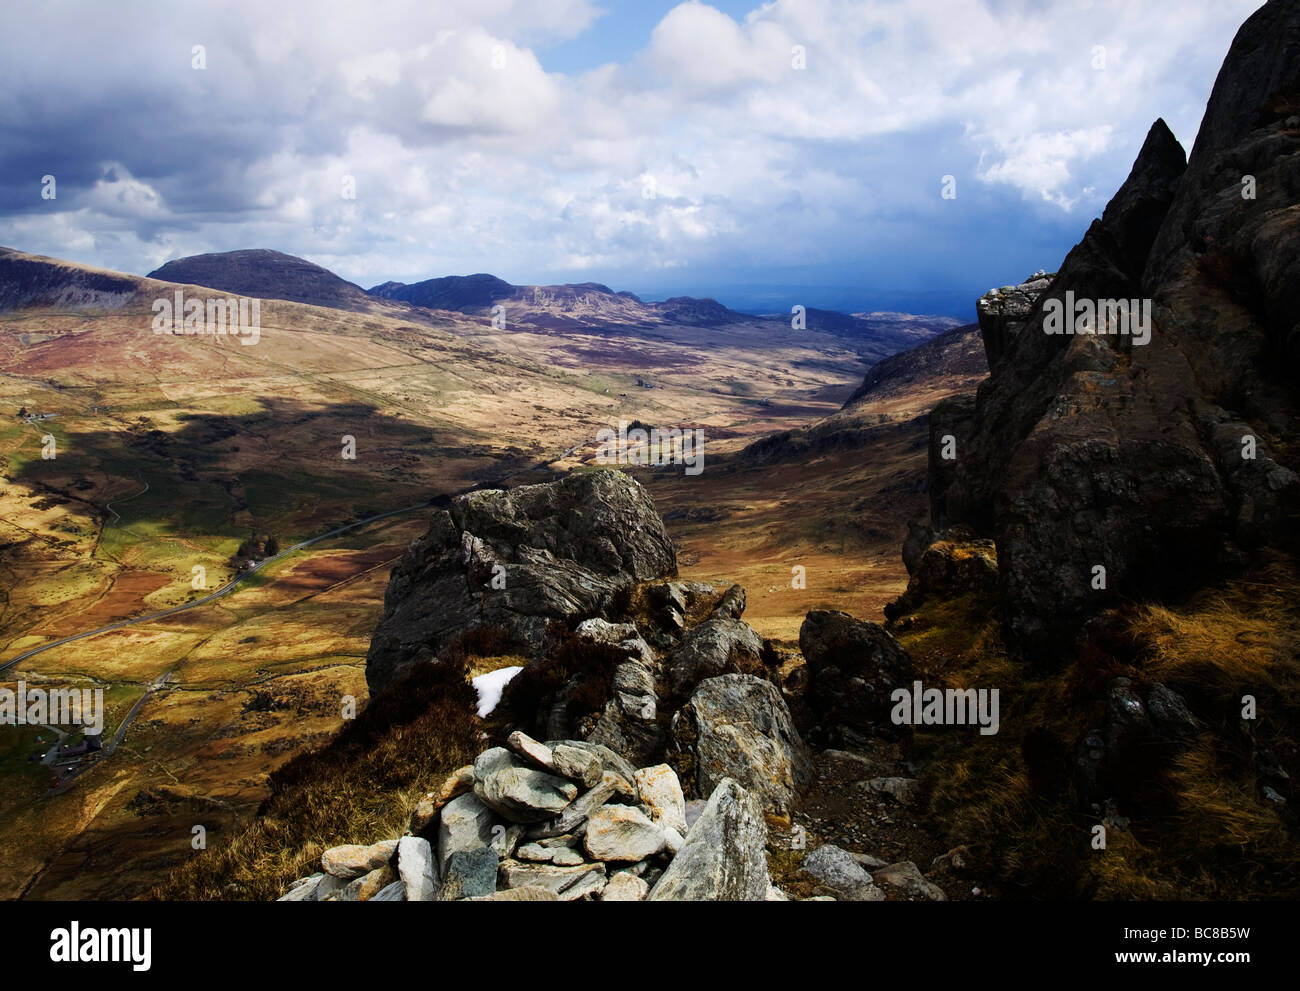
<point x="625" y="887"/>
<point x="902" y="790"/>
<point x="465" y="824"/>
<point x="611" y="761"/>
<point x="907" y="877"/>
<point x="775" y="894"/>
<point x="587" y="888"/>
<point x="574" y="817"/>
<point x="673" y="840"/>
<point x="537" y="754"/>
<point x="525" y="894"/>
<point x="309" y="889"/>
<point x="566" y="548"/>
<point x="566" y="857"/>
<point x="836" y="868"/>
<point x="581" y="766"/>
<point x="853" y="668"/>
<point x="350" y="861"/>
<point x="720" y="645"/>
<point x="416" y="868"/>
<point x="469" y="874"/>
<point x="364" y="888"/>
<point x="724" y="857"/>
<point x="738" y="726"/>
<point x="622" y="832"/>
<point x="660" y="788"/>
<point x="557" y="879"/>
<point x="520" y="793"/>
<point x="395" y="892"/>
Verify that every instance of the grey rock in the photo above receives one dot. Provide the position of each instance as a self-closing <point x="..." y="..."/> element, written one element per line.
<point x="837" y="869"/>
<point x="416" y="869"/>
<point x="724" y="858"/>
<point x="582" y="766"/>
<point x="465" y="824"/>
<point x="566" y="547"/>
<point x="622" y="832"/>
<point x="557" y="879"/>
<point x="738" y="726"/>
<point x="395" y="892"/>
<point x="520" y="793"/>
<point x="902" y="790"/>
<point x="717" y="646"/>
<point x="853" y="667"/>
<point x="469" y="874"/>
<point x="907" y="877"/>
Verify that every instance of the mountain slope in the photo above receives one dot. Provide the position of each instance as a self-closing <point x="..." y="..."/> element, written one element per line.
<point x="265" y="274"/>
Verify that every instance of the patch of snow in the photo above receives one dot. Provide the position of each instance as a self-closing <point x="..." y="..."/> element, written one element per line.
<point x="490" y="686"/>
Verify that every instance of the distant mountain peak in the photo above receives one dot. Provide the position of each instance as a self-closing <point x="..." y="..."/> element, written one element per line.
<point x="264" y="273"/>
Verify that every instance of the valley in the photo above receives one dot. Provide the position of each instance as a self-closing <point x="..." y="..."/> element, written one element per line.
<point x="174" y="456"/>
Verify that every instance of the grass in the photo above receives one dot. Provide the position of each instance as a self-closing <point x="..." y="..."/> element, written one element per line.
<point x="361" y="787"/>
<point x="1199" y="827"/>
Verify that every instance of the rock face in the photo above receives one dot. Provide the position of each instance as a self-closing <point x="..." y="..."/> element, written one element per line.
<point x="738" y="727"/>
<point x="1160" y="463"/>
<point x="853" y="666"/>
<point x="512" y="560"/>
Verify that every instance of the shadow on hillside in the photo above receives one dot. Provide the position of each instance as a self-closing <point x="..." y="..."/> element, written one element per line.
<point x="300" y="468"/>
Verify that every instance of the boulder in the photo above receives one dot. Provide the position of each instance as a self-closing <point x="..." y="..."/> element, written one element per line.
<point x="567" y="549"/>
<point x="719" y="645"/>
<point x="907" y="877"/>
<point x="364" y="888"/>
<point x="737" y="726"/>
<point x="625" y="887"/>
<point x="853" y="667"/>
<point x="582" y="766"/>
<point x="560" y="880"/>
<point x="724" y="856"/>
<point x="469" y="874"/>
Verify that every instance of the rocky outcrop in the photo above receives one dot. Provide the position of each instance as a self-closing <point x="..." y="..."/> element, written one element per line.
<point x="951" y="566"/>
<point x="1106" y="468"/>
<point x="511" y="561"/>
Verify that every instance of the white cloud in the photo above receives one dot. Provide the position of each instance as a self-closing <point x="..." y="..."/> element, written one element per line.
<point x="469" y="155"/>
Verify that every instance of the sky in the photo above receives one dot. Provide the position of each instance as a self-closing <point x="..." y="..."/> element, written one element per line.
<point x="848" y="152"/>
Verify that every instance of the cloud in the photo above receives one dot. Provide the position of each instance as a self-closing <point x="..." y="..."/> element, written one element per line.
<point x="467" y="154"/>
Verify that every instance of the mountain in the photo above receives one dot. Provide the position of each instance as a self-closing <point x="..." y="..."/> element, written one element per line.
<point x="266" y="274"/>
<point x="34" y="280"/>
<point x="1164" y="462"/>
<point x="466" y="293"/>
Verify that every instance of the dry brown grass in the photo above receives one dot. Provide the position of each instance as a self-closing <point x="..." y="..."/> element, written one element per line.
<point x="1199" y="827"/>
<point x="358" y="789"/>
